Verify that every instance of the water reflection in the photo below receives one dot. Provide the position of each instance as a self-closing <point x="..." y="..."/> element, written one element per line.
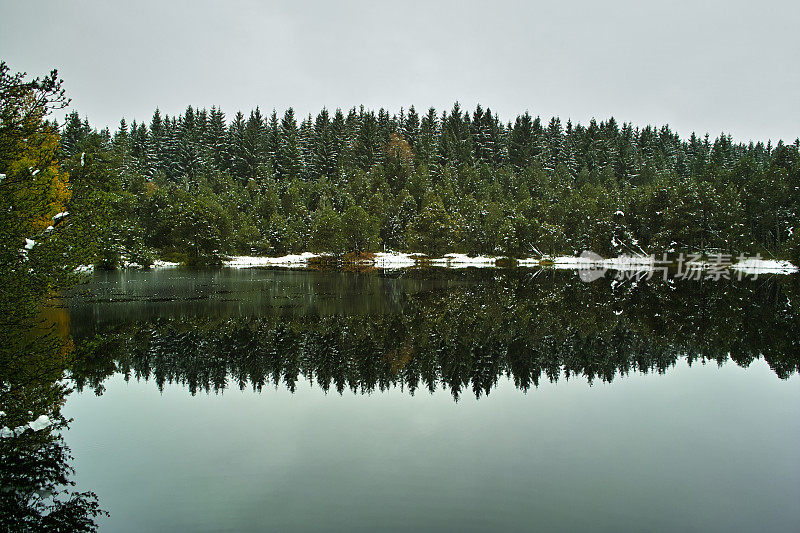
<point x="35" y="464"/>
<point x="418" y="329"/>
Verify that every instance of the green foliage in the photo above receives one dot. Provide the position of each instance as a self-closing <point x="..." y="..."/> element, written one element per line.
<point x="433" y="183"/>
<point x="201" y="228"/>
<point x="359" y="231"/>
<point x="433" y="230"/>
<point x="327" y="235"/>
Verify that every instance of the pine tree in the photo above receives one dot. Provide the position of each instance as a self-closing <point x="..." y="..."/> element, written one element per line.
<point x="273" y="140"/>
<point x="520" y="144"/>
<point x="289" y="163"/>
<point x="555" y="145"/>
<point x="455" y="141"/>
<point x="324" y="159"/>
<point x="253" y="151"/>
<point x="411" y="127"/>
<point x="214" y="141"/>
<point x="426" y="151"/>
<point x="367" y="145"/>
<point x="75" y="132"/>
<point x="306" y="141"/>
<point x="238" y="165"/>
<point x="187" y="154"/>
<point x="155" y="150"/>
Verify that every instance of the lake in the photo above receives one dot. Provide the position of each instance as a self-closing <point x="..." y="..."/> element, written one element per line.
<point x="433" y="399"/>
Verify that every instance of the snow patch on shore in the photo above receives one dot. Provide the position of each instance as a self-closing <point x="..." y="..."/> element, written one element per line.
<point x="398" y="260"/>
<point x="390" y="260"/>
<point x="246" y="261"/>
<point x="158" y="263"/>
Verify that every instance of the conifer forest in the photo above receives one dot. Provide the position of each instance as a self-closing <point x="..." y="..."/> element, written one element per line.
<point x="202" y="185"/>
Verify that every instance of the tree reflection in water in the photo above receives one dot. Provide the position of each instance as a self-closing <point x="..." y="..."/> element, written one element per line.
<point x="461" y="336"/>
<point x="35" y="471"/>
<point x="419" y="329"/>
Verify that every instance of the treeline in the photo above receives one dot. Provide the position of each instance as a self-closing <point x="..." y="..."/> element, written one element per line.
<point x="463" y="338"/>
<point x="197" y="186"/>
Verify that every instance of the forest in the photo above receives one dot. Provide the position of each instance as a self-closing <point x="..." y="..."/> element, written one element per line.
<point x="197" y="187"/>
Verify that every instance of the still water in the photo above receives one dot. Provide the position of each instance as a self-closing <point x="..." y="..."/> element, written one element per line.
<point x="252" y="400"/>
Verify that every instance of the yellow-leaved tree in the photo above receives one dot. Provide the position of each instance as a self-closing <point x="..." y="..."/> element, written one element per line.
<point x="37" y="256"/>
<point x="34" y="190"/>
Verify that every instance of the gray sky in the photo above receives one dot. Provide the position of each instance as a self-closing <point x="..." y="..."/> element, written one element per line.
<point x="699" y="66"/>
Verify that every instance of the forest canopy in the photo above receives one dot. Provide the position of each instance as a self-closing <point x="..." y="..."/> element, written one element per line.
<point x="199" y="186"/>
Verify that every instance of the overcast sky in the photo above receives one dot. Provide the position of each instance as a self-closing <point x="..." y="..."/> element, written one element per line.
<point x="699" y="66"/>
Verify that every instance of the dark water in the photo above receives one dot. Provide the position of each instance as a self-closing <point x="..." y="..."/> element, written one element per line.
<point x="250" y="400"/>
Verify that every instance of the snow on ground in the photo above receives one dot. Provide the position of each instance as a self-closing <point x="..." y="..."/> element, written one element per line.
<point x="158" y="263"/>
<point x="390" y="260"/>
<point x="245" y="261"/>
<point x="397" y="260"/>
<point x="764" y="266"/>
<point x="383" y="260"/>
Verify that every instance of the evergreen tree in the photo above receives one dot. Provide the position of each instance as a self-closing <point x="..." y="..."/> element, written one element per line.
<point x="289" y="164"/>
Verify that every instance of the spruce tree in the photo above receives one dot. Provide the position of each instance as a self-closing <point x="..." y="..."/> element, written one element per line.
<point x="289" y="164"/>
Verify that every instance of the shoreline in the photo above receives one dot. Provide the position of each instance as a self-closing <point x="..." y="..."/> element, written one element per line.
<point x="401" y="260"/>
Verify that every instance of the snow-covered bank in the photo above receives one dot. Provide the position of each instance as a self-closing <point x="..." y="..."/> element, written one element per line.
<point x="246" y="261"/>
<point x="158" y="263"/>
<point x="398" y="260"/>
<point x="390" y="260"/>
<point x="380" y="260"/>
